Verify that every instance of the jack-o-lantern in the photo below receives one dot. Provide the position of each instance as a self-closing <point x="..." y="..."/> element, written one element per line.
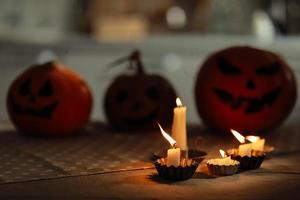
<point x="49" y="99"/>
<point x="137" y="101"/>
<point x="245" y="88"/>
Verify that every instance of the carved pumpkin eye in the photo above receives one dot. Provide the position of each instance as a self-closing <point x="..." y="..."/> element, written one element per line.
<point x="121" y="96"/>
<point x="46" y="90"/>
<point x="269" y="70"/>
<point x="153" y="93"/>
<point x="227" y="68"/>
<point x="25" y="87"/>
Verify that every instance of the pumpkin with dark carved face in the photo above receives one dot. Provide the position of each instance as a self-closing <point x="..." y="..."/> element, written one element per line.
<point x="245" y="88"/>
<point x="49" y="99"/>
<point x="137" y="101"/>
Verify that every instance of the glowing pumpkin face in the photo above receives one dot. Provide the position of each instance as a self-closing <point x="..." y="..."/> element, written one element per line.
<point x="49" y="99"/>
<point x="245" y="89"/>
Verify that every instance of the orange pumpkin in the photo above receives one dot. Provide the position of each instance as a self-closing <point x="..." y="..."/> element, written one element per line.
<point x="245" y="88"/>
<point x="49" y="99"/>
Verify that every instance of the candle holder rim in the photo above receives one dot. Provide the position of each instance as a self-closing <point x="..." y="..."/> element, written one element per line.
<point x="173" y="173"/>
<point x="194" y="154"/>
<point x="235" y="154"/>
<point x="193" y="162"/>
<point x="222" y="170"/>
<point x="236" y="162"/>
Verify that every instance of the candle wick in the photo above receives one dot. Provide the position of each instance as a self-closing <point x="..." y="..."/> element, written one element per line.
<point x="174" y="146"/>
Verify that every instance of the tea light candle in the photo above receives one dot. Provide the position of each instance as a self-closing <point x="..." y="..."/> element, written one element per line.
<point x="244" y="149"/>
<point x="258" y="143"/>
<point x="173" y="154"/>
<point x="173" y="157"/>
<point x="225" y="160"/>
<point x="179" y="125"/>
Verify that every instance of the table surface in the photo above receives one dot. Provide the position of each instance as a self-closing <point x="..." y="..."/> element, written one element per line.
<point x="278" y="177"/>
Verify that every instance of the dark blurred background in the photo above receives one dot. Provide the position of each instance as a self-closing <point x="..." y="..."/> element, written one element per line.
<point x="175" y="37"/>
<point x="119" y="20"/>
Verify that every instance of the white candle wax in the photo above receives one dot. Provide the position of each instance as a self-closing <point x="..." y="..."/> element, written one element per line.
<point x="173" y="157"/>
<point x="245" y="149"/>
<point x="258" y="145"/>
<point x="179" y="127"/>
<point x="222" y="161"/>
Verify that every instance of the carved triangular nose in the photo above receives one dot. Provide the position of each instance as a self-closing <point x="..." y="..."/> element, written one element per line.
<point x="250" y="85"/>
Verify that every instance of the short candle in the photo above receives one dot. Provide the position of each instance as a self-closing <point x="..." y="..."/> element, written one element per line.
<point x="173" y="157"/>
<point x="256" y="144"/>
<point x="244" y="149"/>
<point x="225" y="160"/>
<point x="173" y="154"/>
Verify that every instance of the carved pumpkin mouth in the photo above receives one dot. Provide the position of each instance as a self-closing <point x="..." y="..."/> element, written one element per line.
<point x="251" y="104"/>
<point x="141" y="121"/>
<point x="45" y="112"/>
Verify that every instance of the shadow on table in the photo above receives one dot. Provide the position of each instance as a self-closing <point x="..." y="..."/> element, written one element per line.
<point x="156" y="178"/>
<point x="203" y="175"/>
<point x="198" y="175"/>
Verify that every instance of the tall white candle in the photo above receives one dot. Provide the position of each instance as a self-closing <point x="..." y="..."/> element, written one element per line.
<point x="173" y="157"/>
<point x="179" y="125"/>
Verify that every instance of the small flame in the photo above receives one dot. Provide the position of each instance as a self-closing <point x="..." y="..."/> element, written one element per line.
<point x="238" y="136"/>
<point x="252" y="138"/>
<point x="178" y="102"/>
<point x="222" y="152"/>
<point x="167" y="136"/>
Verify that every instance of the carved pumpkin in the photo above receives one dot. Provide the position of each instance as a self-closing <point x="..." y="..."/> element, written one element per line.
<point x="137" y="101"/>
<point x="49" y="99"/>
<point x="245" y="88"/>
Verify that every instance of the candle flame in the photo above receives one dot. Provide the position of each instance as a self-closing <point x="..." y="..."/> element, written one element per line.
<point x="222" y="152"/>
<point x="238" y="136"/>
<point x="167" y="136"/>
<point x="252" y="138"/>
<point x="178" y="102"/>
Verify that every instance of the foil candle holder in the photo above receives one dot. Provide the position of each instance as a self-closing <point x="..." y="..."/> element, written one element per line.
<point x="222" y="166"/>
<point x="175" y="166"/>
<point x="185" y="170"/>
<point x="253" y="161"/>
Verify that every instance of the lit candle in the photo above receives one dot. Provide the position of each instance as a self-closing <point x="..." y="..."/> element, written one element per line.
<point x="179" y="125"/>
<point x="225" y="160"/>
<point x="173" y="154"/>
<point x="244" y="149"/>
<point x="173" y="157"/>
<point x="258" y="143"/>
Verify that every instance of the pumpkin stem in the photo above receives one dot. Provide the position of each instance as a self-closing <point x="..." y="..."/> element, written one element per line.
<point x="135" y="60"/>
